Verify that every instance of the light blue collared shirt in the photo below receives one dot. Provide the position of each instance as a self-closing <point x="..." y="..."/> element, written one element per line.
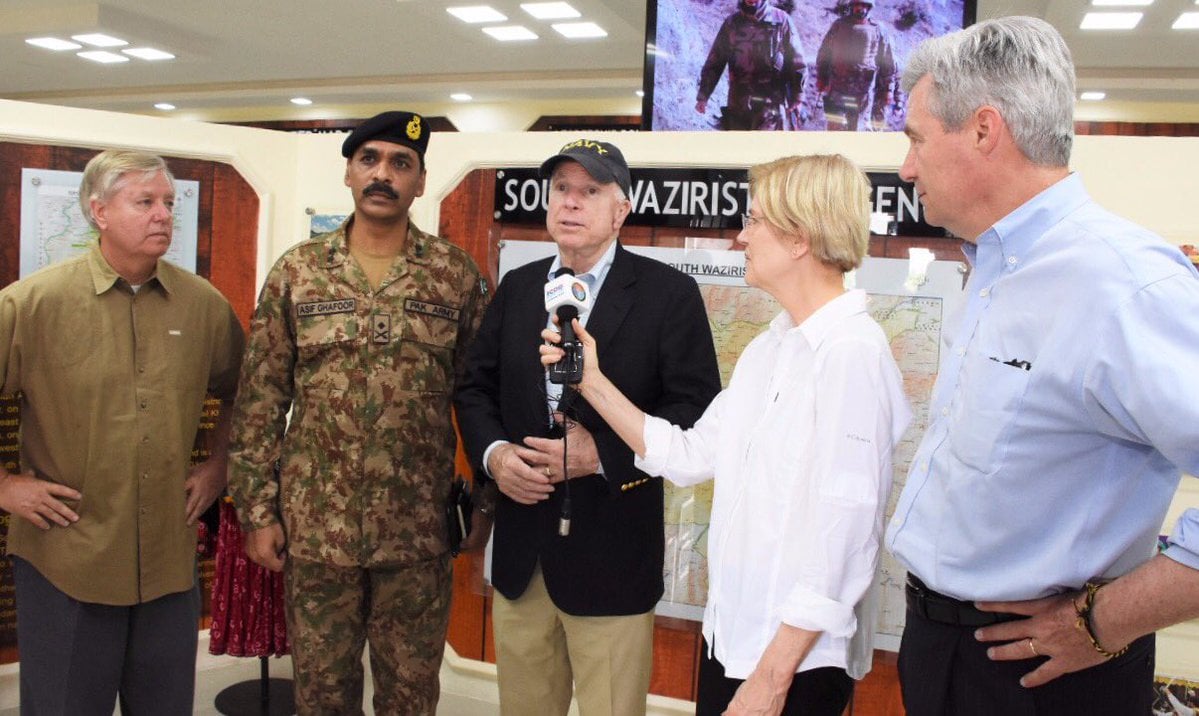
<point x="595" y="278"/>
<point x="1065" y="407"/>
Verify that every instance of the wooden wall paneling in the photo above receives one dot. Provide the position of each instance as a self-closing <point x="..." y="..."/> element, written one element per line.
<point x="466" y="217"/>
<point x="637" y="236"/>
<point x="332" y="126"/>
<point x="466" y="220"/>
<point x="878" y="693"/>
<point x="1138" y="129"/>
<point x="560" y="123"/>
<point x="234" y="239"/>
<point x="676" y="658"/>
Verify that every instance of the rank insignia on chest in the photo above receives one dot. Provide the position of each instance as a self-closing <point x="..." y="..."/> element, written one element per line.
<point x="381" y="328"/>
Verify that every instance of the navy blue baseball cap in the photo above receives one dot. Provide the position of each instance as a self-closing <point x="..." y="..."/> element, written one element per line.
<point x="603" y="161"/>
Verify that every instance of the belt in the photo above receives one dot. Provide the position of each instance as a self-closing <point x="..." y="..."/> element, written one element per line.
<point x="939" y="608"/>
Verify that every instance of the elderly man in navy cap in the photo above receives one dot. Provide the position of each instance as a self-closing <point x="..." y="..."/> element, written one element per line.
<point x="359" y="333"/>
<point x="574" y="608"/>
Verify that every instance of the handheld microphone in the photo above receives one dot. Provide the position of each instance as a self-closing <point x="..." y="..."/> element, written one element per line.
<point x="567" y="297"/>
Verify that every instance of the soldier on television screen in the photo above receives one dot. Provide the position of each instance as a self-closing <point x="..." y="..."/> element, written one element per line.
<point x="855" y="69"/>
<point x="762" y="50"/>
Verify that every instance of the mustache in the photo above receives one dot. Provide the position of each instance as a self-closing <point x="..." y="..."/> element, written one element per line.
<point x="379" y="187"/>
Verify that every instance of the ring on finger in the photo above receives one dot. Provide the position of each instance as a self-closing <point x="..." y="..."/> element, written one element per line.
<point x="1032" y="647"/>
<point x="548" y="471"/>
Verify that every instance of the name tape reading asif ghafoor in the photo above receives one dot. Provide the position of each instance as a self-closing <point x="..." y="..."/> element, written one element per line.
<point x="325" y="308"/>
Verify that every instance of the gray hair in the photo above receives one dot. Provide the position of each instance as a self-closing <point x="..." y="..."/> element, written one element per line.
<point x="1019" y="65"/>
<point x="106" y="173"/>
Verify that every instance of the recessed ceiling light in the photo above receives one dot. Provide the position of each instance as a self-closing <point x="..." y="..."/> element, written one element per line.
<point x="1110" y="20"/>
<point x="148" y="53"/>
<point x="53" y="43"/>
<point x="99" y="39"/>
<point x="640" y="93"/>
<point x="302" y="101"/>
<point x="577" y="30"/>
<point x="102" y="56"/>
<point x="477" y="13"/>
<point x="510" y="33"/>
<point x="1121" y="3"/>
<point x="461" y="97"/>
<point x="550" y="10"/>
<point x="164" y="106"/>
<point x="1187" y="21"/>
<point x="1092" y="96"/>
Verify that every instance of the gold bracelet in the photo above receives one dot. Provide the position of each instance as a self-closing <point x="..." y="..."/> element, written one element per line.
<point x="1084" y="621"/>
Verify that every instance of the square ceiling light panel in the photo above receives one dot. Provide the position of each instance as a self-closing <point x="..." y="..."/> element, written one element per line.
<point x="53" y="43"/>
<point x="476" y="13"/>
<point x="510" y="33"/>
<point x="104" y="57"/>
<point x="579" y="30"/>
<point x="550" y="10"/>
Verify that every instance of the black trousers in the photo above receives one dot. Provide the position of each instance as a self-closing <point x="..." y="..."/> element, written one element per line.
<point x="944" y="671"/>
<point x="818" y="692"/>
<point x="76" y="657"/>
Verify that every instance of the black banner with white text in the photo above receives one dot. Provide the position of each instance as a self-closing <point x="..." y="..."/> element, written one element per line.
<point x="703" y="198"/>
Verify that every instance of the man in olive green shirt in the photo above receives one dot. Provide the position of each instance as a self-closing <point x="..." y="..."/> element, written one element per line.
<point x="112" y="353"/>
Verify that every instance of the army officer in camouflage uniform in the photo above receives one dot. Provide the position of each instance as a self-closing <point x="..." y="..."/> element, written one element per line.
<point x="359" y="332"/>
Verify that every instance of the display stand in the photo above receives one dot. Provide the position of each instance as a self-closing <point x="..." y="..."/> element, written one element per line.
<point x="265" y="697"/>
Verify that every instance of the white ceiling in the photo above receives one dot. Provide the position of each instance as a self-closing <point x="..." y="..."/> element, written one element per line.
<point x="243" y="59"/>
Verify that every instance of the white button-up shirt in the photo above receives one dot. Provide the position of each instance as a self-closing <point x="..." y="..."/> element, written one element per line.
<point x="800" y="447"/>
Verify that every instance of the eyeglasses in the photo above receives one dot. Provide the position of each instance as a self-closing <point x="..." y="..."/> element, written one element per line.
<point x="749" y="220"/>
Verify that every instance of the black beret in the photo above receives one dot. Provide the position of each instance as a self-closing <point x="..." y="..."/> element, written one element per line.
<point x="603" y="161"/>
<point x="407" y="128"/>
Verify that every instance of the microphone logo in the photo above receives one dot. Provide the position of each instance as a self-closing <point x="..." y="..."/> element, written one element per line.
<point x="567" y="297"/>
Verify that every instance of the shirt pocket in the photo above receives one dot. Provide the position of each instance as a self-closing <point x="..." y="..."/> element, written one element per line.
<point x="988" y="408"/>
<point x="325" y="347"/>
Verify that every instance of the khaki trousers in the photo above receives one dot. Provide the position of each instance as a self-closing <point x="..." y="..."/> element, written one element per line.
<point x="540" y="650"/>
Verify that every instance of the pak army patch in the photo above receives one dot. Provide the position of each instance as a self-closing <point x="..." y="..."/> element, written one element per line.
<point x="326" y="308"/>
<point x="432" y="309"/>
<point x="381" y="328"/>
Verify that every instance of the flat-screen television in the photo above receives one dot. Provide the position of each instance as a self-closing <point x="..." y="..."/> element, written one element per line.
<point x="785" y="64"/>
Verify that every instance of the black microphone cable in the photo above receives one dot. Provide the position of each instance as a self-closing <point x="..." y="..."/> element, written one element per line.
<point x="564" y="407"/>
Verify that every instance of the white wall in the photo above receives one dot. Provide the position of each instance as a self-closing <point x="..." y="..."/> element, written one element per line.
<point x="1149" y="180"/>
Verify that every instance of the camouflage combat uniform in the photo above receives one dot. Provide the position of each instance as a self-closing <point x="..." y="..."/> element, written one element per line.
<point x="366" y="463"/>
<point x="855" y="62"/>
<point x="766" y="69"/>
